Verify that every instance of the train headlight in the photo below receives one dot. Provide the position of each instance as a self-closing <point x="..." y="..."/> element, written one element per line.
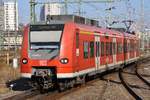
<point x="24" y="61"/>
<point x="64" y="60"/>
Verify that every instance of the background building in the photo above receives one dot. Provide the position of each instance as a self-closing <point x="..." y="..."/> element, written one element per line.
<point x="51" y="9"/>
<point x="11" y="15"/>
<point x="1" y="15"/>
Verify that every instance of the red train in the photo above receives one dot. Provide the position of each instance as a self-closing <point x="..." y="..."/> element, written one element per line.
<point x="66" y="54"/>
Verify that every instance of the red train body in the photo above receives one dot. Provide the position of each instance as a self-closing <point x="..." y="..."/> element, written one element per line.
<point x="70" y="52"/>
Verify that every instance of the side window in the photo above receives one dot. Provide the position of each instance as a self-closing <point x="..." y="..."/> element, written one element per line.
<point x="107" y="48"/>
<point x="125" y="46"/>
<point x="77" y="40"/>
<point x="134" y="46"/>
<point x="131" y="48"/>
<point x="98" y="49"/>
<point x="128" y="47"/>
<point x="114" y="48"/>
<point x="138" y="46"/>
<point x="110" y="48"/>
<point x="91" y="49"/>
<point x="119" y="48"/>
<point x="85" y="45"/>
<point x="102" y="48"/>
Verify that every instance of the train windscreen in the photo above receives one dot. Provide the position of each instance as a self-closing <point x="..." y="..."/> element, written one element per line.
<point x="45" y="40"/>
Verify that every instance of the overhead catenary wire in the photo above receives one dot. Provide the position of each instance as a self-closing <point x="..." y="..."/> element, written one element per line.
<point x="33" y="3"/>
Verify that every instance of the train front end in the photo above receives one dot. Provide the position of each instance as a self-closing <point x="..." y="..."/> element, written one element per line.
<point x="40" y="54"/>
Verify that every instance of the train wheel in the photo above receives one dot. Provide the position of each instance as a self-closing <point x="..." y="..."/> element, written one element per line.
<point x="83" y="80"/>
<point x="61" y="87"/>
<point x="72" y="83"/>
<point x="42" y="91"/>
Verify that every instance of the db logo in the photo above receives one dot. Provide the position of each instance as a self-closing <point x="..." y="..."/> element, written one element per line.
<point x="43" y="63"/>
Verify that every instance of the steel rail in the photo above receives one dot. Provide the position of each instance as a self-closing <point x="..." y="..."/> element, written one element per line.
<point x="140" y="77"/>
<point x="126" y="85"/>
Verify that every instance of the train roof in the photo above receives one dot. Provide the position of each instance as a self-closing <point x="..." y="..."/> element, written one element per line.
<point x="89" y="28"/>
<point x="73" y="18"/>
<point x="98" y="29"/>
<point x="104" y="31"/>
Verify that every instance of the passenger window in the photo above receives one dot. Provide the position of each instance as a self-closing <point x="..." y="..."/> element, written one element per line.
<point x="119" y="48"/>
<point x="131" y="46"/>
<point x="98" y="49"/>
<point x="85" y="45"/>
<point x="114" y="48"/>
<point x="102" y="48"/>
<point x="107" y="49"/>
<point x="110" y="48"/>
<point x="91" y="49"/>
<point x="128" y="47"/>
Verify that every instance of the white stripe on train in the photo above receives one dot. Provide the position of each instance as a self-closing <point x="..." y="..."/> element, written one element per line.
<point x="91" y="71"/>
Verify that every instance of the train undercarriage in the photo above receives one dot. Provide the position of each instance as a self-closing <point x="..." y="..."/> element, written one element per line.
<point x="45" y="79"/>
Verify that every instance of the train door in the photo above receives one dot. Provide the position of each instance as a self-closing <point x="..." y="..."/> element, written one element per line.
<point x="114" y="50"/>
<point x="77" y="51"/>
<point x="97" y="52"/>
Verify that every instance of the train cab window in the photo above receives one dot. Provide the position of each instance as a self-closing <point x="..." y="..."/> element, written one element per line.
<point x="77" y="40"/>
<point x="45" y="36"/>
<point x="91" y="49"/>
<point x="45" y="40"/>
<point x="85" y="45"/>
<point x="102" y="48"/>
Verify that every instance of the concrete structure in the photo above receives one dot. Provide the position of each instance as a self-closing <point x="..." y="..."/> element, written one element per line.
<point x="13" y="40"/>
<point x="147" y="38"/>
<point x="51" y="9"/>
<point x="11" y="15"/>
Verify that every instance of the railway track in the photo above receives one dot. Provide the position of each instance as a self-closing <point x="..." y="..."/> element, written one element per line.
<point x="128" y="86"/>
<point x="52" y="94"/>
<point x="23" y="95"/>
<point x="141" y="77"/>
<point x="55" y="95"/>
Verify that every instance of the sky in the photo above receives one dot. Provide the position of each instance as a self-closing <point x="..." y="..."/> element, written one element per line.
<point x="97" y="11"/>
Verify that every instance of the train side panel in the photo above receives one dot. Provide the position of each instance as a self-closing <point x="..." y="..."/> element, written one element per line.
<point x="25" y="68"/>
